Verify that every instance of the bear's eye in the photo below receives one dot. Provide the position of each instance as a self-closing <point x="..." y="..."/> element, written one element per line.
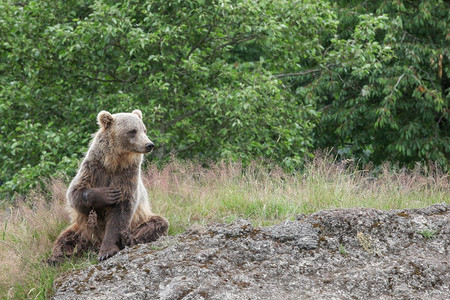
<point x="132" y="131"/>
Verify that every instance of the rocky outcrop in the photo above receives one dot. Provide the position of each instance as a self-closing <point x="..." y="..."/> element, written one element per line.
<point x="333" y="254"/>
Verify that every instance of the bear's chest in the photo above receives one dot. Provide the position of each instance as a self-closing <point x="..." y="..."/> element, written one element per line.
<point x="120" y="178"/>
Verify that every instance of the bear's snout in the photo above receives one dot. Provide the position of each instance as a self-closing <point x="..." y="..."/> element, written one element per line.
<point x="149" y="146"/>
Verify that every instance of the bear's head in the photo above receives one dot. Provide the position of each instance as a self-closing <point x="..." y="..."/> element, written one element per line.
<point x="126" y="132"/>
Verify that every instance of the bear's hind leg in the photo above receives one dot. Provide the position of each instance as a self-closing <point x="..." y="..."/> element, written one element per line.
<point x="150" y="230"/>
<point x="69" y="243"/>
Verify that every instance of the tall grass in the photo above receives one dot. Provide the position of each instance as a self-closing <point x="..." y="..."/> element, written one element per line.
<point x="27" y="232"/>
<point x="187" y="193"/>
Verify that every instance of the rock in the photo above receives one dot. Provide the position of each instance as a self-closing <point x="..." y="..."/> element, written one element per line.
<point x="301" y="235"/>
<point x="332" y="254"/>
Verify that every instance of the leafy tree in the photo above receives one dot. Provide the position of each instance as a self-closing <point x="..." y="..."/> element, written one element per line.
<point x="395" y="105"/>
<point x="222" y="79"/>
<point x="201" y="71"/>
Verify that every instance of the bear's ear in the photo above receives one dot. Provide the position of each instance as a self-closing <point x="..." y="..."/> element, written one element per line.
<point x="104" y="119"/>
<point x="138" y="113"/>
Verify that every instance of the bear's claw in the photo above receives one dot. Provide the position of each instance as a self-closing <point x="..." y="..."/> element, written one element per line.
<point x="104" y="255"/>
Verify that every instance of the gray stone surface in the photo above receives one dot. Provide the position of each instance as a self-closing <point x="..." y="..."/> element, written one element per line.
<point x="332" y="254"/>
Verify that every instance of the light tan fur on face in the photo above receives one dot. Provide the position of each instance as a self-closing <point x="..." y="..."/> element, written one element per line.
<point x="128" y="148"/>
<point x="123" y="124"/>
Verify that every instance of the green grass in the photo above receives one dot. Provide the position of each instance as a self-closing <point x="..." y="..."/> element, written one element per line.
<point x="188" y="194"/>
<point x="427" y="233"/>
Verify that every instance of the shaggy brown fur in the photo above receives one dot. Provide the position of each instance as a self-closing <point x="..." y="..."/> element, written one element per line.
<point x="107" y="198"/>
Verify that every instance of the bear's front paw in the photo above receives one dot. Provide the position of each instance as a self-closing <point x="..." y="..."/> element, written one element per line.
<point x="107" y="196"/>
<point x="104" y="254"/>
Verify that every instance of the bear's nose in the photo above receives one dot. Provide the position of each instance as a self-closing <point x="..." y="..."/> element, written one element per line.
<point x="150" y="146"/>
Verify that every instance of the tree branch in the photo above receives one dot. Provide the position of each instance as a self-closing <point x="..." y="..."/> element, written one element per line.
<point x="131" y="79"/>
<point x="237" y="41"/>
<point x="200" y="42"/>
<point x="179" y="118"/>
<point x="297" y="74"/>
<point x="398" y="82"/>
<point x="175" y="151"/>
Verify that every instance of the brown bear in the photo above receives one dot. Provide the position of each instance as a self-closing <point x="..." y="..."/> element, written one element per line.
<point x="107" y="199"/>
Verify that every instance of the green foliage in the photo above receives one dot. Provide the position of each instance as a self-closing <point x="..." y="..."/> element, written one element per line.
<point x="342" y="250"/>
<point x="219" y="79"/>
<point x="387" y="97"/>
<point x="427" y="233"/>
<point x="200" y="71"/>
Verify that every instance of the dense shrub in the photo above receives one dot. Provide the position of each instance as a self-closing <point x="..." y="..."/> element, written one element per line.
<point x="232" y="80"/>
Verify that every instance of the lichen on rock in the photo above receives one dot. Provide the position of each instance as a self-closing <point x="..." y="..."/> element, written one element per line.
<point x="385" y="257"/>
